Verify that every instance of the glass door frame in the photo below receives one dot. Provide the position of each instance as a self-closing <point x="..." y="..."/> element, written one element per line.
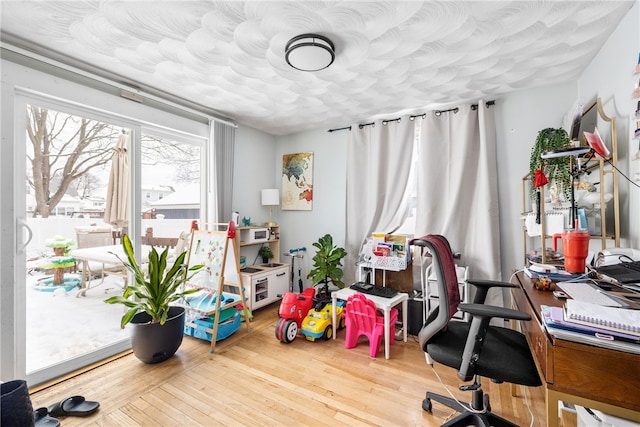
<point x="13" y="349"/>
<point x="21" y="102"/>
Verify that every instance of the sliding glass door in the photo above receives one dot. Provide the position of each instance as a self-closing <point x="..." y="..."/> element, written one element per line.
<point x="68" y="158"/>
<point x="64" y="274"/>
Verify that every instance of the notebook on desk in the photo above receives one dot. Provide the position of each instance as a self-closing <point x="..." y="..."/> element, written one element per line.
<point x="625" y="272"/>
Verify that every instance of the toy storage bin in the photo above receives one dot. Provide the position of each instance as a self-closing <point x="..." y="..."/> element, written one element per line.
<point x="225" y="328"/>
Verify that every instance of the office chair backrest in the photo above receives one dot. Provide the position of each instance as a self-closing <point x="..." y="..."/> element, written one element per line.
<point x="447" y="282"/>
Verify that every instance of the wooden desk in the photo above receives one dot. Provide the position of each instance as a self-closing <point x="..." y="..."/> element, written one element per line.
<point x="585" y="375"/>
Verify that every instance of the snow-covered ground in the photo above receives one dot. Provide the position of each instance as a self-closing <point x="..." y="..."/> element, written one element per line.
<point x="61" y="326"/>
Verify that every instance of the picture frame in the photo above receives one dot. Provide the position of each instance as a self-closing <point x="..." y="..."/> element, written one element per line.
<point x="297" y="181"/>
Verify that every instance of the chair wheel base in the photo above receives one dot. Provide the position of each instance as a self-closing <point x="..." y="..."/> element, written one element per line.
<point x="427" y="406"/>
<point x="466" y="418"/>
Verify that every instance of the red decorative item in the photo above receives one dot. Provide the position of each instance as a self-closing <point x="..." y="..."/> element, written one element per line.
<point x="541" y="179"/>
<point x="231" y="232"/>
<point x="194" y="225"/>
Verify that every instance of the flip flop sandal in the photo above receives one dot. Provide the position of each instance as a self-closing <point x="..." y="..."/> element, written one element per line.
<point x="75" y="406"/>
<point x="41" y="418"/>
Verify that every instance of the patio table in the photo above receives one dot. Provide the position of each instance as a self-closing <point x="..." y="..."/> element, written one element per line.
<point x="111" y="258"/>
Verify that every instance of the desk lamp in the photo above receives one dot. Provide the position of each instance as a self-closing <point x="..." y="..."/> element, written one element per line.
<point x="270" y="197"/>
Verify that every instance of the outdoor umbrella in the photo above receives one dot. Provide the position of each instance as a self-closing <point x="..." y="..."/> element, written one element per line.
<point x="117" y="207"/>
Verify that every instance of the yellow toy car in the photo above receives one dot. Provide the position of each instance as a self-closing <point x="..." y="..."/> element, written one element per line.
<point x="319" y="323"/>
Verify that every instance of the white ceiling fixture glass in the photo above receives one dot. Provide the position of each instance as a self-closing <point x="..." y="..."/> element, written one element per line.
<point x="310" y="52"/>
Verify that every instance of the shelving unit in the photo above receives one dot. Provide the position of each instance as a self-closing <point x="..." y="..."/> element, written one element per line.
<point x="273" y="241"/>
<point x="606" y="171"/>
<point x="462" y="272"/>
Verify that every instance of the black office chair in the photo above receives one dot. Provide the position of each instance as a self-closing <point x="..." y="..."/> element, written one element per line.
<point x="475" y="348"/>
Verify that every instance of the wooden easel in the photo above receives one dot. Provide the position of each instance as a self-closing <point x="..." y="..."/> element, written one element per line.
<point x="216" y="248"/>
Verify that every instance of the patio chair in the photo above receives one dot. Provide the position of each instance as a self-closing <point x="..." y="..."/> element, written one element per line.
<point x="177" y="244"/>
<point x="92" y="237"/>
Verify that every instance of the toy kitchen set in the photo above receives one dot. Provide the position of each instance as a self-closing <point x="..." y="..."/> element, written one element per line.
<point x="264" y="283"/>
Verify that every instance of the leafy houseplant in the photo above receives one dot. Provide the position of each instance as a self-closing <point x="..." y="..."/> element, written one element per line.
<point x="327" y="264"/>
<point x="555" y="169"/>
<point x="265" y="253"/>
<point x="150" y="307"/>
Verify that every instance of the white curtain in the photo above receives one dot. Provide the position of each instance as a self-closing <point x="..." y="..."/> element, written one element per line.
<point x="378" y="165"/>
<point x="221" y="192"/>
<point x="457" y="186"/>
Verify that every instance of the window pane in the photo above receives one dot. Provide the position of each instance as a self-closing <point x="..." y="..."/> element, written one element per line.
<point x="67" y="163"/>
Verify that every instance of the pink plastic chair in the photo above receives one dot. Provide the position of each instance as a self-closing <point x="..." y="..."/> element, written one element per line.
<point x="362" y="318"/>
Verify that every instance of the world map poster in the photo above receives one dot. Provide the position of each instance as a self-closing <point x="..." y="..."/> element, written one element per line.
<point x="297" y="181"/>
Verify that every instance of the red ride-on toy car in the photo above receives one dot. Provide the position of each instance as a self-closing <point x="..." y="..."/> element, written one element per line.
<point x="293" y="308"/>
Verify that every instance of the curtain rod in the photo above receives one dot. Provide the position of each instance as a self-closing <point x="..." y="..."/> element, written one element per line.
<point x="413" y="117"/>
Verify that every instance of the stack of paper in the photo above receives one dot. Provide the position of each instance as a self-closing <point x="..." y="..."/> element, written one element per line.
<point x="615" y="320"/>
<point x="627" y="338"/>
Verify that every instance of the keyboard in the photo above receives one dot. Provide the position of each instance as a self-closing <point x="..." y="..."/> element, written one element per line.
<point x="379" y="291"/>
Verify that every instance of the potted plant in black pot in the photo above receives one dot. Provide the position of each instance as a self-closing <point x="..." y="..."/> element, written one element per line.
<point x="158" y="325"/>
<point x="327" y="267"/>
<point x="265" y="253"/>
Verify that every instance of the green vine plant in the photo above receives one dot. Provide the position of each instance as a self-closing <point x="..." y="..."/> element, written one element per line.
<point x="556" y="169"/>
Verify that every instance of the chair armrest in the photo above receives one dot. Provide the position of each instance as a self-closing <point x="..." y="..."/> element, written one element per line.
<point x="483" y="286"/>
<point x="490" y="283"/>
<point x="491" y="311"/>
<point x="481" y="316"/>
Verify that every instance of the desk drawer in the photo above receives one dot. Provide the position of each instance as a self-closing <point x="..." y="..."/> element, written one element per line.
<point x="536" y="335"/>
<point x="597" y="373"/>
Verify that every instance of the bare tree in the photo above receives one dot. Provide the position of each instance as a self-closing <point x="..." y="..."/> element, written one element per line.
<point x="184" y="157"/>
<point x="63" y="149"/>
<point x="86" y="184"/>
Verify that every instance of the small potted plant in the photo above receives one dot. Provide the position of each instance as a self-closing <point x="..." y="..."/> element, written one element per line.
<point x="158" y="323"/>
<point x="327" y="266"/>
<point x="265" y="253"/>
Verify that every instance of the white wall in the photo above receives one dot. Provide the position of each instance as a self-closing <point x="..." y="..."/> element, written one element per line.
<point x="303" y="228"/>
<point x="610" y="77"/>
<point x="519" y="118"/>
<point x="253" y="171"/>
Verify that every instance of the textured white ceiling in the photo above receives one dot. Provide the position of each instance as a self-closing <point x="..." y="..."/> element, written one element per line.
<point x="391" y="57"/>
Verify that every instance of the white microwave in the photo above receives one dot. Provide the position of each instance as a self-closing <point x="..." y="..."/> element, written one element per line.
<point x="254" y="235"/>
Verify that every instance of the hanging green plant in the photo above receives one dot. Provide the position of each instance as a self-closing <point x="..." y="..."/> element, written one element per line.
<point x="556" y="169"/>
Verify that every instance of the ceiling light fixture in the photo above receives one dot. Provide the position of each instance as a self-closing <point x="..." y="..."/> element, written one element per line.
<point x="310" y="52"/>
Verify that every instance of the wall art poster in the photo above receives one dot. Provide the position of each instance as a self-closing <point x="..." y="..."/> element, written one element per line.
<point x="297" y="181"/>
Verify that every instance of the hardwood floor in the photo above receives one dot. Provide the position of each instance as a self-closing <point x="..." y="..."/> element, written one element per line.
<point x="253" y="379"/>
